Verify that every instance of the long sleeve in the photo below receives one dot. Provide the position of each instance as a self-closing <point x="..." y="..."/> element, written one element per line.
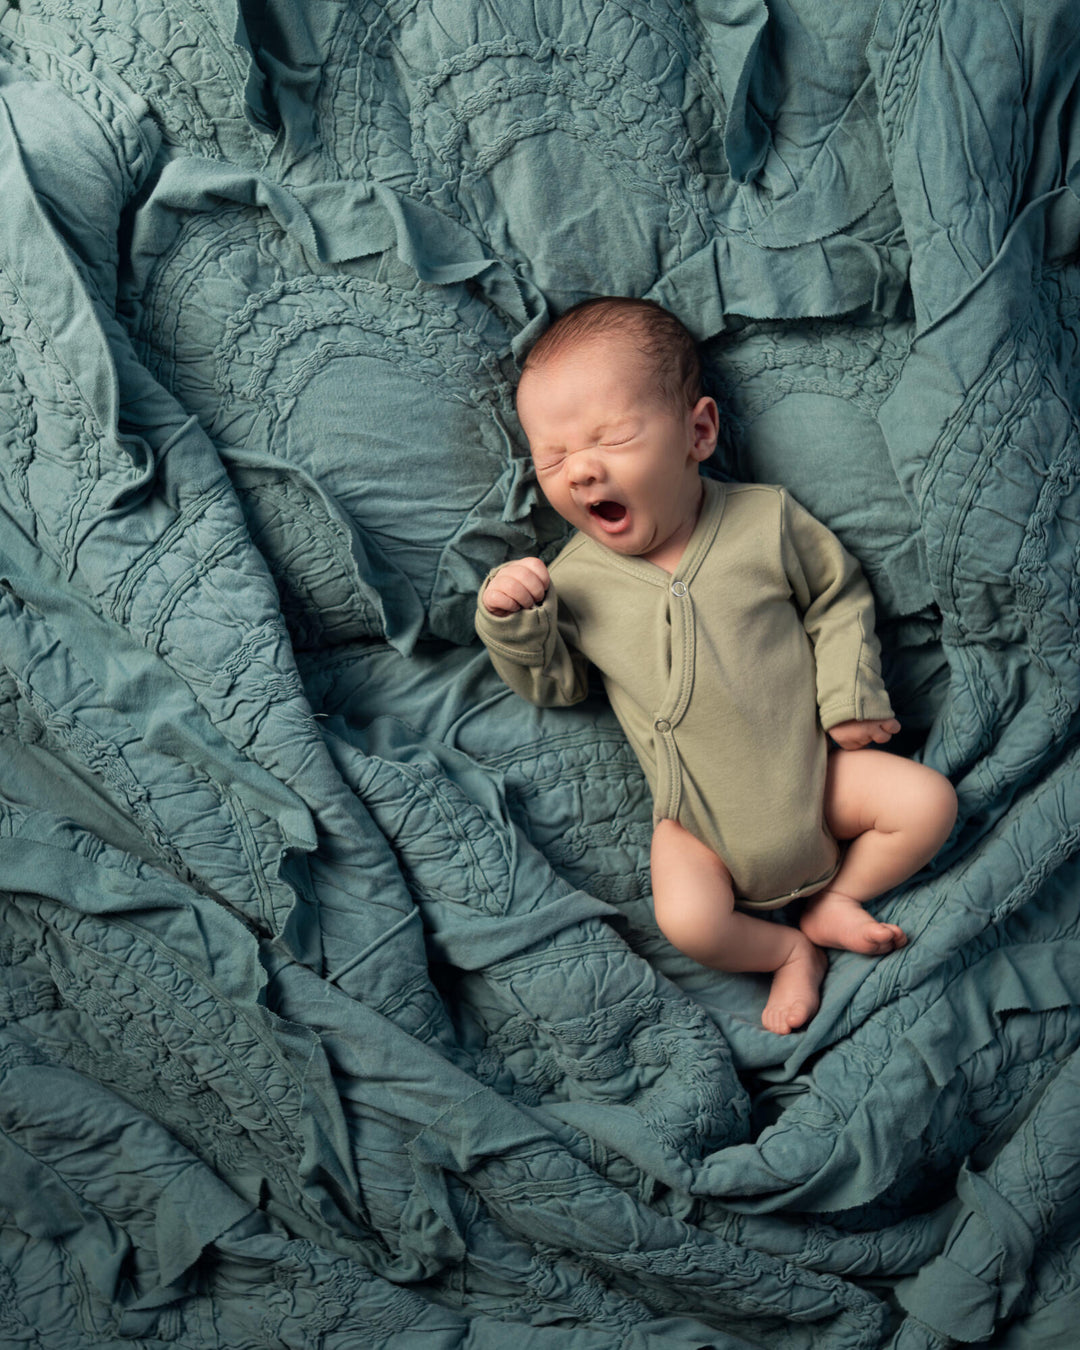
<point x="838" y="614"/>
<point x="533" y="651"/>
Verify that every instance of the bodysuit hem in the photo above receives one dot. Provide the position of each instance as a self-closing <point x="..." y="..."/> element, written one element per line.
<point x="799" y="893"/>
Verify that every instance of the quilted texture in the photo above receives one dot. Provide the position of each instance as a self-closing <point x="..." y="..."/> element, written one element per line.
<point x="331" y="1008"/>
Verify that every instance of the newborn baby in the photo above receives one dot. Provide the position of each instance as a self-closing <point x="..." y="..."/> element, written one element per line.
<point x="734" y="636"/>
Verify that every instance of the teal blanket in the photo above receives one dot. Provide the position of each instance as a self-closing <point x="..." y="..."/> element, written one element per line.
<point x="332" y="1013"/>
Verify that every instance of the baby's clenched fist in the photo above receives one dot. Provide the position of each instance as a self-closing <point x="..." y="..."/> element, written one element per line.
<point x="518" y="585"/>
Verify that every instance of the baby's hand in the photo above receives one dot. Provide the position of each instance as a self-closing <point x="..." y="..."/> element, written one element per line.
<point x="855" y="734"/>
<point x="518" y="585"/>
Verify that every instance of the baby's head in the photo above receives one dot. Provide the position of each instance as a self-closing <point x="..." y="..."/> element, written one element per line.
<point x="610" y="400"/>
<point x="669" y="361"/>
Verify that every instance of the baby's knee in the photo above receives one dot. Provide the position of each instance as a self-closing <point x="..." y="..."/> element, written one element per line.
<point x="939" y="797"/>
<point x="695" y="927"/>
<point x="933" y="805"/>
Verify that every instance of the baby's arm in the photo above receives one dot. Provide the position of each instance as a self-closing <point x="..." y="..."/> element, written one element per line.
<point x="532" y="644"/>
<point x="838" y="613"/>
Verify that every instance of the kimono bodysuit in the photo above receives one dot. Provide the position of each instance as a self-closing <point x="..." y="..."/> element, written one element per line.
<point x="725" y="674"/>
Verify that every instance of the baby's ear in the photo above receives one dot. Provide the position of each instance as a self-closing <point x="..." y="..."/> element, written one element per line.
<point x="705" y="427"/>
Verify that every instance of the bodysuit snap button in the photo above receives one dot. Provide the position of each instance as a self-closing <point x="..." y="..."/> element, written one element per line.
<point x="678" y="588"/>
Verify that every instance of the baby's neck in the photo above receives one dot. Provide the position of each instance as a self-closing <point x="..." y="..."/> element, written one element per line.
<point x="667" y="557"/>
<point x="669" y="554"/>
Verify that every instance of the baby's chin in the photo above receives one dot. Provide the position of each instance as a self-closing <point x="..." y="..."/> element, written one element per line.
<point x="630" y="545"/>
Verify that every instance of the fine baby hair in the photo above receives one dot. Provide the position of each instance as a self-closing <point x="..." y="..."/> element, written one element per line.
<point x="659" y="336"/>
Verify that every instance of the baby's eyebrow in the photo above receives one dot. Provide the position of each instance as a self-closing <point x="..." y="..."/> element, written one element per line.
<point x="619" y="425"/>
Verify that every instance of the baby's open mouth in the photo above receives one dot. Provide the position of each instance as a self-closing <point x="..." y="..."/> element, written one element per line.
<point x="612" y="512"/>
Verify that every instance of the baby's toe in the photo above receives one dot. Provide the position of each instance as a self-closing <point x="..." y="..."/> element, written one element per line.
<point x="787" y="1017"/>
<point x="885" y="938"/>
<point x="774" y="1022"/>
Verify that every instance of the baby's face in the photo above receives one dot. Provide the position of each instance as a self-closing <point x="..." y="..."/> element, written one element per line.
<point x="613" y="458"/>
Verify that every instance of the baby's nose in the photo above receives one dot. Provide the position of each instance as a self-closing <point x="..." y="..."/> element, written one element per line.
<point x="584" y="468"/>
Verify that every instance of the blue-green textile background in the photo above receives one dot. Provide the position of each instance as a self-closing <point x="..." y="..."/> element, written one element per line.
<point x="331" y="1010"/>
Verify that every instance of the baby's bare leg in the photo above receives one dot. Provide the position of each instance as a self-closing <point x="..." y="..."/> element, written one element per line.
<point x="695" y="910"/>
<point x="897" y="814"/>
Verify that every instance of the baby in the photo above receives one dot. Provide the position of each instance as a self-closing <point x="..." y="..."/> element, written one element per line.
<point x="732" y="632"/>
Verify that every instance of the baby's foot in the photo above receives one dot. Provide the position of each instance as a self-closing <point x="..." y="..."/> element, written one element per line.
<point x="794" y="997"/>
<point x="835" y="920"/>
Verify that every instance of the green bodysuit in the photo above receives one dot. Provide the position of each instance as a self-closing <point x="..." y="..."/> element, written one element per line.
<point x="725" y="674"/>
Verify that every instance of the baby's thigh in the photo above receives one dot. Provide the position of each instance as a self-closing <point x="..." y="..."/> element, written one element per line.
<point x="874" y="790"/>
<point x="692" y="888"/>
